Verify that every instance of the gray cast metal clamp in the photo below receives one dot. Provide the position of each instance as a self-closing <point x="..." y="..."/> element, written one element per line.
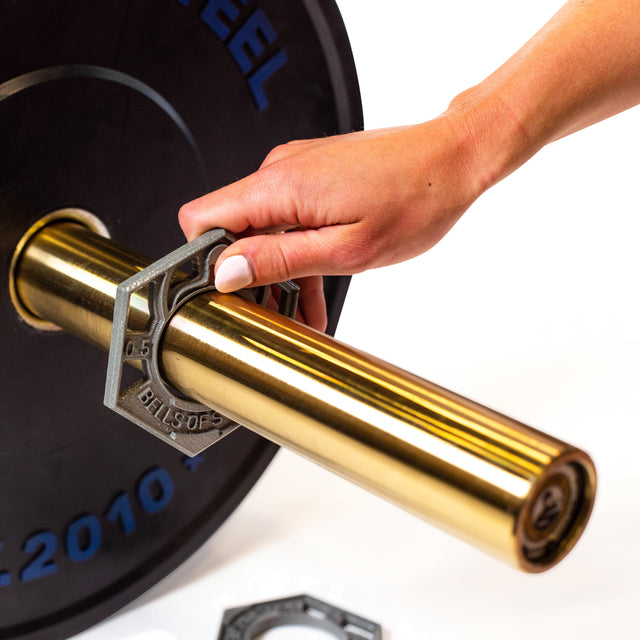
<point x="150" y="403"/>
<point x="250" y="622"/>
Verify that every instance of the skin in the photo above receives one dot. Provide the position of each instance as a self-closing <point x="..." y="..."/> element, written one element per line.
<point x="370" y="199"/>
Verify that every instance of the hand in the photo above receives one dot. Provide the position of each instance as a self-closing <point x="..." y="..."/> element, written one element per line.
<point x="364" y="200"/>
<point x="348" y="203"/>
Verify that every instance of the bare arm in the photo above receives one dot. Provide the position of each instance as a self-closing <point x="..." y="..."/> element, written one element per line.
<point x="583" y="66"/>
<point x="370" y="199"/>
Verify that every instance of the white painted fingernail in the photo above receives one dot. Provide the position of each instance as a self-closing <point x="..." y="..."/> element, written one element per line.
<point x="233" y="274"/>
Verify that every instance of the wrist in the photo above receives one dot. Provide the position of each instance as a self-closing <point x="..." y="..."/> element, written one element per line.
<point x="496" y="140"/>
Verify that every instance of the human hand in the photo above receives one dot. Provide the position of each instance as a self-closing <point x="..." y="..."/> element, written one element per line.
<point x="370" y="199"/>
<point x="349" y="203"/>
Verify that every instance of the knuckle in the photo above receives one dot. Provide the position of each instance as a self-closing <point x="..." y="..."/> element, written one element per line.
<point x="269" y="261"/>
<point x="274" y="174"/>
<point x="285" y="151"/>
<point x="185" y="215"/>
<point x="276" y="154"/>
<point x="280" y="263"/>
<point x="275" y="183"/>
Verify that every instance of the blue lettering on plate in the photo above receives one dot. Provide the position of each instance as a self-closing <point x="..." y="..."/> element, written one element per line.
<point x="43" y="544"/>
<point x="247" y="42"/>
<point x="155" y="490"/>
<point x="257" y="80"/>
<point x="213" y="12"/>
<point x="84" y="537"/>
<point x="5" y="576"/>
<point x="120" y="510"/>
<point x="191" y="464"/>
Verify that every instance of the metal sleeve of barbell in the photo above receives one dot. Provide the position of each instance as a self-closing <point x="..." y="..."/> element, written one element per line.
<point x="510" y="490"/>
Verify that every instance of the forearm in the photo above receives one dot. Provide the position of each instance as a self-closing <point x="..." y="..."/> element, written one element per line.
<point x="581" y="67"/>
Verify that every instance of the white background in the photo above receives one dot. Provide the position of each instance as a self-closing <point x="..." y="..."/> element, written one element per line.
<point x="530" y="306"/>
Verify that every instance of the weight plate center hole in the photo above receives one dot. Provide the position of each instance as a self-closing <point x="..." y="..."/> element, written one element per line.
<point x="80" y="216"/>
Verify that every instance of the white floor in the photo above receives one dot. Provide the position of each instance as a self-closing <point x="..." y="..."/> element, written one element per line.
<point x="530" y="306"/>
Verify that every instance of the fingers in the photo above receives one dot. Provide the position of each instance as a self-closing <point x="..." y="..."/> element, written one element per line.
<point x="251" y="203"/>
<point x="285" y="191"/>
<point x="272" y="198"/>
<point x="311" y="303"/>
<point x="267" y="201"/>
<point x="265" y="259"/>
<point x="293" y="191"/>
<point x="312" y="308"/>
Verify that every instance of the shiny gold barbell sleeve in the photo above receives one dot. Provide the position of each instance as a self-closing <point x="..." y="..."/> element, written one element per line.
<point x="516" y="493"/>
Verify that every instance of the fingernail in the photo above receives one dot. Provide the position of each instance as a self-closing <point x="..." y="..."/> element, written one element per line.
<point x="233" y="274"/>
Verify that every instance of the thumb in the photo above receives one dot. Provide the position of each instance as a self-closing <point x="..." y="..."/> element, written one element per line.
<point x="267" y="259"/>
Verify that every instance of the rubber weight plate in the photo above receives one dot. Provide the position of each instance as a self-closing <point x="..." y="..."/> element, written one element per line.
<point x="128" y="108"/>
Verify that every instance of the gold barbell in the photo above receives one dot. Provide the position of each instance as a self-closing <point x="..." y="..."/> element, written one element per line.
<point x="510" y="490"/>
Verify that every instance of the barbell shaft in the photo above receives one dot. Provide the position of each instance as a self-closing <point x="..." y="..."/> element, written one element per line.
<point x="514" y="492"/>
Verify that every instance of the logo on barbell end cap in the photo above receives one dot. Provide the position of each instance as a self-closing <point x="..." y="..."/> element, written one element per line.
<point x="548" y="507"/>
